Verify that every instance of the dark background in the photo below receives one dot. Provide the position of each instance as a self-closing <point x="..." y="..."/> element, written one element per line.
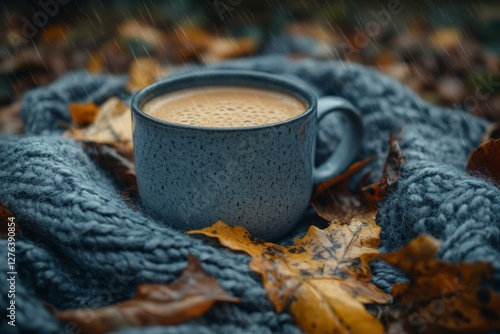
<point x="444" y="50"/>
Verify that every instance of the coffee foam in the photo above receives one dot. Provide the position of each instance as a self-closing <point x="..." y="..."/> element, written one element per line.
<point x="224" y="107"/>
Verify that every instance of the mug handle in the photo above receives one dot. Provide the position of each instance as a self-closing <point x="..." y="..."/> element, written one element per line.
<point x="350" y="143"/>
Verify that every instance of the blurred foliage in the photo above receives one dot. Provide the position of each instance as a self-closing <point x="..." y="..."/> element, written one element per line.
<point x="447" y="51"/>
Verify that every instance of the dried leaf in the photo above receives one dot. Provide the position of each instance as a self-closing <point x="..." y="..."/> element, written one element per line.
<point x="113" y="125"/>
<point x="136" y="30"/>
<point x="395" y="159"/>
<point x="121" y="168"/>
<point x="391" y="172"/>
<point x="444" y="38"/>
<point x="324" y="278"/>
<point x="225" y="48"/>
<point x="188" y="42"/>
<point x="440" y="296"/>
<point x="95" y="63"/>
<point x="191" y="295"/>
<point x="143" y="72"/>
<point x="10" y="119"/>
<point x="83" y="114"/>
<point x="333" y="199"/>
<point x="492" y="132"/>
<point x="485" y="160"/>
<point x="7" y="222"/>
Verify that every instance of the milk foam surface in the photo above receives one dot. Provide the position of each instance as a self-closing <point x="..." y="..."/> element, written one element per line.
<point x="224" y="107"/>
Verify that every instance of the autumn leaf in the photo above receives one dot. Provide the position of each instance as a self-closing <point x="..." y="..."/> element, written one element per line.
<point x="391" y="172"/>
<point x="135" y="30"/>
<point x="440" y="296"/>
<point x="112" y="125"/>
<point x="226" y="48"/>
<point x="143" y="72"/>
<point x="324" y="278"/>
<point x="83" y="114"/>
<point x="485" y="160"/>
<point x="7" y="220"/>
<point x="191" y="295"/>
<point x="492" y="132"/>
<point x="187" y="42"/>
<point x="120" y="167"/>
<point x="333" y="199"/>
<point x="10" y="119"/>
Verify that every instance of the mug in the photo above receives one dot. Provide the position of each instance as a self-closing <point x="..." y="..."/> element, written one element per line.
<point x="259" y="177"/>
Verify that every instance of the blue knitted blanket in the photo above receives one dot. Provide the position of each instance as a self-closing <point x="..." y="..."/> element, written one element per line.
<point x="81" y="245"/>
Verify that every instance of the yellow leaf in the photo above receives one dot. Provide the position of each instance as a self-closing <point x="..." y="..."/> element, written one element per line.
<point x="112" y="125"/>
<point x="323" y="275"/>
<point x="143" y="72"/>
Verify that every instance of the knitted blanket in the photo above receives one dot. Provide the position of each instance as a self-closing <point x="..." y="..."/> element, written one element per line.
<point x="81" y="245"/>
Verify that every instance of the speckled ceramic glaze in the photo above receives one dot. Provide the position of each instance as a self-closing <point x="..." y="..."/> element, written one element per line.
<point x="259" y="177"/>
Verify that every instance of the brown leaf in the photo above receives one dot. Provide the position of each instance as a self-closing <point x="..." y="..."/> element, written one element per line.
<point x="95" y="63"/>
<point x="225" y="48"/>
<point x="7" y="223"/>
<point x="191" y="295"/>
<point x="187" y="42"/>
<point x="391" y="172"/>
<point x="324" y="278"/>
<point x="444" y="38"/>
<point x="394" y="161"/>
<point x="440" y="296"/>
<point x="10" y="119"/>
<point x="492" y="132"/>
<point x="485" y="160"/>
<point x="83" y="114"/>
<point x="140" y="31"/>
<point x="143" y="72"/>
<point x="333" y="199"/>
<point x="112" y="125"/>
<point x="121" y="168"/>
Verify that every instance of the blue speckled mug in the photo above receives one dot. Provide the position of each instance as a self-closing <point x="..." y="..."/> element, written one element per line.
<point x="258" y="177"/>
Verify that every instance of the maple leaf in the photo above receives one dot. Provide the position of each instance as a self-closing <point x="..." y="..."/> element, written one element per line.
<point x="324" y="278"/>
<point x="191" y="295"/>
<point x="440" y="296"/>
<point x="485" y="160"/>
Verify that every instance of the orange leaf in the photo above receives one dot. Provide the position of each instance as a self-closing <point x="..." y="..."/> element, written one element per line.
<point x="440" y="297"/>
<point x="485" y="160"/>
<point x="7" y="223"/>
<point x="191" y="295"/>
<point x="83" y="114"/>
<point x="324" y="278"/>
<point x="112" y="125"/>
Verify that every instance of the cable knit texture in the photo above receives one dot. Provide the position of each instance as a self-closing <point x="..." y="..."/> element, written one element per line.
<point x="82" y="246"/>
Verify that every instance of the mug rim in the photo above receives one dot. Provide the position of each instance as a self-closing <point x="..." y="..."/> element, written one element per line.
<point x="223" y="77"/>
